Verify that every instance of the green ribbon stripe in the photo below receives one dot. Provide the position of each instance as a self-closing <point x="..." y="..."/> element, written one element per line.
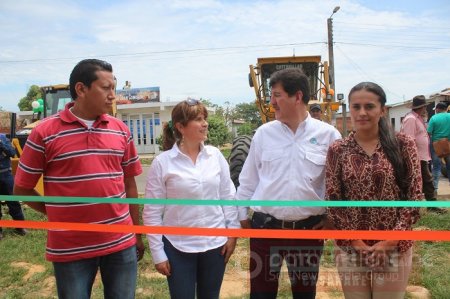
<point x="245" y="203"/>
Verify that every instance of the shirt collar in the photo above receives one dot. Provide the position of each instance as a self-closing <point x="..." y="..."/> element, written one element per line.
<point x="68" y="116"/>
<point x="301" y="126"/>
<point x="353" y="144"/>
<point x="175" y="150"/>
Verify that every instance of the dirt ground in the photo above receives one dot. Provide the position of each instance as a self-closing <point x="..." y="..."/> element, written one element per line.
<point x="235" y="283"/>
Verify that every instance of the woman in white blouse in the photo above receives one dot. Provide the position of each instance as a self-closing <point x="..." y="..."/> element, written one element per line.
<point x="188" y="169"/>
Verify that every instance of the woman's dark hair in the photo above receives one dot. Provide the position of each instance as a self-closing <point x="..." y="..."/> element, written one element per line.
<point x="85" y="72"/>
<point x="182" y="113"/>
<point x="388" y="140"/>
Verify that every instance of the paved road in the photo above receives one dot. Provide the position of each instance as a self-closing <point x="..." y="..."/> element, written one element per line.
<point x="141" y="179"/>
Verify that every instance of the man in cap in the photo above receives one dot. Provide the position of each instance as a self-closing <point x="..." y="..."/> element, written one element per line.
<point x="316" y="111"/>
<point x="414" y="125"/>
<point x="439" y="128"/>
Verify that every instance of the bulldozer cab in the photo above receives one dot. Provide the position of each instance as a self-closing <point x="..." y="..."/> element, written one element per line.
<point x="315" y="70"/>
<point x="55" y="98"/>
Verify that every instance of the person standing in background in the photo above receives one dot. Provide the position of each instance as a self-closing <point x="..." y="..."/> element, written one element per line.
<point x="414" y="126"/>
<point x="7" y="151"/>
<point x="316" y="111"/>
<point x="439" y="128"/>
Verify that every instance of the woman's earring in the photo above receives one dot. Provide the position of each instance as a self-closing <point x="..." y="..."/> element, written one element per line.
<point x="182" y="140"/>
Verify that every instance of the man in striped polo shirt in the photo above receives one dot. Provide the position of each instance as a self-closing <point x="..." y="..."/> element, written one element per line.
<point x="84" y="152"/>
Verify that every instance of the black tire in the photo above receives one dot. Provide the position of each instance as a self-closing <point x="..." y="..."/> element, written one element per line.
<point x="250" y="81"/>
<point x="239" y="152"/>
<point x="444" y="168"/>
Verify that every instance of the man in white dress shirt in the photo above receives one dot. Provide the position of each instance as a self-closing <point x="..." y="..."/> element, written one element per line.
<point x="286" y="162"/>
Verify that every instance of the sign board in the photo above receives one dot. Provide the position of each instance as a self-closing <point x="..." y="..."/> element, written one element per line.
<point x="137" y="95"/>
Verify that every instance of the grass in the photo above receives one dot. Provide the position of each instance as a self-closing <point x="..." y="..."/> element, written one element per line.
<point x="431" y="262"/>
<point x="26" y="274"/>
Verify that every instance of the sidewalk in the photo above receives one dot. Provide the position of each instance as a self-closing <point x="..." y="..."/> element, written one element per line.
<point x="444" y="189"/>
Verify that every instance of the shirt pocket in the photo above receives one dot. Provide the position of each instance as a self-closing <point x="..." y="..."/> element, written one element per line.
<point x="315" y="169"/>
<point x="274" y="162"/>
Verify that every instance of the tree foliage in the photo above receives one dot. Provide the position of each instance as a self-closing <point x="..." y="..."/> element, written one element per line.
<point x="33" y="93"/>
<point x="249" y="113"/>
<point x="218" y="133"/>
<point x="227" y="113"/>
<point x="245" y="129"/>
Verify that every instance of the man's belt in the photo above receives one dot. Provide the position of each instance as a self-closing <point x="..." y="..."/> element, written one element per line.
<point x="263" y="220"/>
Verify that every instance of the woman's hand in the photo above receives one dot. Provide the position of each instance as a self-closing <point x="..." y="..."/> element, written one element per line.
<point x="163" y="268"/>
<point x="361" y="247"/>
<point x="379" y="254"/>
<point x="228" y="248"/>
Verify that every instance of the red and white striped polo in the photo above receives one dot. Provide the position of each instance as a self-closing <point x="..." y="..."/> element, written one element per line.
<point x="81" y="162"/>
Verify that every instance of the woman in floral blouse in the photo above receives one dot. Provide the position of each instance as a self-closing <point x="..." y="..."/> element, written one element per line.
<point x="373" y="163"/>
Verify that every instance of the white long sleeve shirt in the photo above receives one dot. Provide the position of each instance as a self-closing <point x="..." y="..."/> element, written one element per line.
<point x="174" y="175"/>
<point x="282" y="165"/>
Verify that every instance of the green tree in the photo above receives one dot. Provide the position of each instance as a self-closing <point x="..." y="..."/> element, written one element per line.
<point x="33" y="93"/>
<point x="227" y="113"/>
<point x="208" y="103"/>
<point x="248" y="112"/>
<point x="218" y="132"/>
<point x="246" y="129"/>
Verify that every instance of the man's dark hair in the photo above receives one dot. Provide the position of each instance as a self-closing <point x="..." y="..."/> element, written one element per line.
<point x="292" y="80"/>
<point x="85" y="72"/>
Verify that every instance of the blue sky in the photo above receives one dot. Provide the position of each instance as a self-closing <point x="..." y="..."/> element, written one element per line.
<point x="402" y="45"/>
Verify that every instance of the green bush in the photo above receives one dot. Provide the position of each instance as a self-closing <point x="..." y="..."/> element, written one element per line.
<point x="245" y="129"/>
<point x="218" y="132"/>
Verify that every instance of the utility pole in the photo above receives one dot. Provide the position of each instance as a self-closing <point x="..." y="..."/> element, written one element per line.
<point x="331" y="71"/>
<point x="330" y="47"/>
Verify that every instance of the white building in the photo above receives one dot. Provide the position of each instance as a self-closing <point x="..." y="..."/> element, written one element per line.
<point x="145" y="122"/>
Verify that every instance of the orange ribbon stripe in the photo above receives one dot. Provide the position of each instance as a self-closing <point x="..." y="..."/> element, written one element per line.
<point x="241" y="233"/>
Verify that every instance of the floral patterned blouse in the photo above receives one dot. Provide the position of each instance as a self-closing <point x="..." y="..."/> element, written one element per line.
<point x="351" y="174"/>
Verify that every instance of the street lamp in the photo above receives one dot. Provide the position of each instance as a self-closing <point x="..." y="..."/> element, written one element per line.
<point x="330" y="47"/>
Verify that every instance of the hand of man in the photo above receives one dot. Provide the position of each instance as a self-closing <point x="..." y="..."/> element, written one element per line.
<point x="140" y="248"/>
<point x="324" y="224"/>
<point x="163" y="268"/>
<point x="228" y="248"/>
<point x="245" y="223"/>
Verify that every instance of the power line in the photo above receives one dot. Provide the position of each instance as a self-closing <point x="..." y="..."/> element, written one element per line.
<point x="164" y="52"/>
<point x="394" y="46"/>
<point x="394" y="26"/>
<point x="362" y="71"/>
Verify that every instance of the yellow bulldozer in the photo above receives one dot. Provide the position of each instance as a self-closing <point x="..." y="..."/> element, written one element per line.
<point x="259" y="77"/>
<point x="55" y="97"/>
